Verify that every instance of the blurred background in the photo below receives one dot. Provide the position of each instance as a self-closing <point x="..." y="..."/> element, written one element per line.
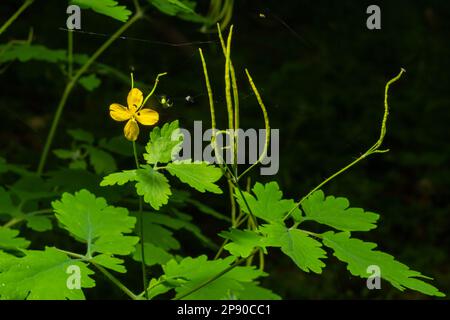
<point x="321" y="74"/>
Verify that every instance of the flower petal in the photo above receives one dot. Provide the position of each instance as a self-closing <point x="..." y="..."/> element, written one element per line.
<point x="119" y="112"/>
<point x="131" y="130"/>
<point x="147" y="117"/>
<point x="135" y="99"/>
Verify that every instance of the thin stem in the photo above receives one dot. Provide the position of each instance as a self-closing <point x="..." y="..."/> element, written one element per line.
<point x="70" y="86"/>
<point x="104" y="271"/>
<point x="235" y="101"/>
<point x="15" y="221"/>
<point x="141" y="231"/>
<point x="19" y="11"/>
<point x="370" y="151"/>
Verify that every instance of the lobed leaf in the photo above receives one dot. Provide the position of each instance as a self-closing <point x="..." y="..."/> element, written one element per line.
<point x="41" y="275"/>
<point x="90" y="82"/>
<point x="164" y="143"/>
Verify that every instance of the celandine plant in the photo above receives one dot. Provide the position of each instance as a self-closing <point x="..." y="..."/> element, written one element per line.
<point x="110" y="239"/>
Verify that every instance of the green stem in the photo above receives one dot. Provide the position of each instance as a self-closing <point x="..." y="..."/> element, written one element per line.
<point x="19" y="11"/>
<point x="153" y="89"/>
<point x="141" y="231"/>
<point x="219" y="252"/>
<point x="72" y="83"/>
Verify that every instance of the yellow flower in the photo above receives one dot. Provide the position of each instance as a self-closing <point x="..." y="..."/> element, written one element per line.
<point x="133" y="114"/>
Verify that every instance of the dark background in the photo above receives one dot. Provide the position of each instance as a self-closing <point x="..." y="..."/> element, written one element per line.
<point x="321" y="73"/>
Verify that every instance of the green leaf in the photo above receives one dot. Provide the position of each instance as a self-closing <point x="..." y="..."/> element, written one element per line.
<point x="153" y="254"/>
<point x="102" y="161"/>
<point x="359" y="255"/>
<point x="68" y="180"/>
<point x="41" y="275"/>
<point x="198" y="270"/>
<point x="27" y="52"/>
<point x="39" y="223"/>
<point x="252" y="291"/>
<point x="9" y="239"/>
<point x="171" y="7"/>
<point x="153" y="186"/>
<point x="268" y="204"/>
<point x="158" y="235"/>
<point x="199" y="175"/>
<point x="183" y="9"/>
<point x="108" y="8"/>
<point x="119" y="145"/>
<point x="305" y="251"/>
<point x="242" y="242"/>
<point x="175" y="224"/>
<point x="90" y="82"/>
<point x="91" y="219"/>
<point x="119" y="178"/>
<point x="109" y="262"/>
<point x="335" y="212"/>
<point x="164" y="143"/>
<point x="81" y="135"/>
<point x="7" y="167"/>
